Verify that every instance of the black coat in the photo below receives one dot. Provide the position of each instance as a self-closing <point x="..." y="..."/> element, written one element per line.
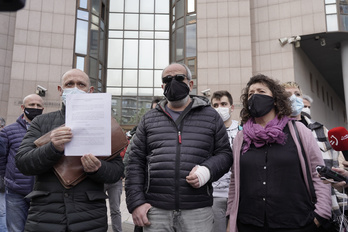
<point x="54" y="208"/>
<point x="159" y="162"/>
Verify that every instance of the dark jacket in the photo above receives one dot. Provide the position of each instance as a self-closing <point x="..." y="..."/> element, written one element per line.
<point x="12" y="136"/>
<point x="163" y="153"/>
<point x="54" y="208"/>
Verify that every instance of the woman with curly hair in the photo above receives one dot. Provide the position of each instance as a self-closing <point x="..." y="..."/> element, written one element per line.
<point x="269" y="189"/>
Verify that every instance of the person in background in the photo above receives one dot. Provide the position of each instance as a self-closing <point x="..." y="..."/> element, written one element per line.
<point x="222" y="102"/>
<point x="307" y="102"/>
<point x="53" y="207"/>
<point x="268" y="191"/>
<point x="179" y="149"/>
<point x="17" y="184"/>
<point x="331" y="157"/>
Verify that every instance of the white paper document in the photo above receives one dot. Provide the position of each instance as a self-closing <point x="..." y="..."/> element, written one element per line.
<point x="89" y="117"/>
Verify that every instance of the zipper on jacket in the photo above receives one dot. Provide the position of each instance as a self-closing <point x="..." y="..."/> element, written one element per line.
<point x="179" y="136"/>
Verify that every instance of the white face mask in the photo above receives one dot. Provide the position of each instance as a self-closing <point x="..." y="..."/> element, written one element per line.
<point x="68" y="91"/>
<point x="224" y="113"/>
<point x="307" y="110"/>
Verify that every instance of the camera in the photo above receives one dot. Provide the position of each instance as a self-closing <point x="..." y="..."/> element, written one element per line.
<point x="41" y="91"/>
<point x="330" y="174"/>
<point x="206" y="92"/>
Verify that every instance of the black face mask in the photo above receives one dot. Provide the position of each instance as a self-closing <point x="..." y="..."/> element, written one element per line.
<point x="259" y="105"/>
<point x="176" y="90"/>
<point x="31" y="113"/>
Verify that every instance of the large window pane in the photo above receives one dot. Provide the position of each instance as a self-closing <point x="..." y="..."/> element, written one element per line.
<point x="344" y="21"/>
<point x="191" y="6"/>
<point x="129" y="91"/>
<point x="95" y="7"/>
<point x="161" y="35"/>
<point x="162" y="6"/>
<point x="145" y="91"/>
<point x="131" y="34"/>
<point x="93" y="68"/>
<point x="80" y="63"/>
<point x="147" y="6"/>
<point x="81" y="14"/>
<point x="116" y="5"/>
<point x="161" y="53"/>
<point x="81" y="37"/>
<point x="131" y="54"/>
<point x="146" y="21"/>
<point x="146" y="54"/>
<point x="114" y="91"/>
<point x="332" y="24"/>
<point x="145" y="78"/>
<point x="115" y="34"/>
<point x="131" y="22"/>
<point x="132" y="6"/>
<point x="180" y="44"/>
<point x="116" y="21"/>
<point x="114" y="53"/>
<point x="179" y="11"/>
<point x="162" y="22"/>
<point x="94" y="41"/>
<point x="130" y="78"/>
<point x="146" y="35"/>
<point x="331" y="9"/>
<point x="83" y="4"/>
<point x="158" y="92"/>
<point x="191" y="40"/>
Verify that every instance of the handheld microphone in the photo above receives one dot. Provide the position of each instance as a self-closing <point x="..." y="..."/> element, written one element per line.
<point x="338" y="138"/>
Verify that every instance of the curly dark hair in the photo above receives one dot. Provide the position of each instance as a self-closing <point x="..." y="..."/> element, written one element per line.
<point x="281" y="98"/>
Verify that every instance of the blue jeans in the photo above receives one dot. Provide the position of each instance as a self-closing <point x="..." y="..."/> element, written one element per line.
<point x="3" y="227"/>
<point x="114" y="192"/>
<point x="193" y="220"/>
<point x="16" y="210"/>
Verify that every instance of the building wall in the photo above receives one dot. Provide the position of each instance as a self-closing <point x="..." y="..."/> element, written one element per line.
<point x="42" y="51"/>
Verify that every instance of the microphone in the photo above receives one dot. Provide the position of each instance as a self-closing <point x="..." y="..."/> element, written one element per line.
<point x="338" y="138"/>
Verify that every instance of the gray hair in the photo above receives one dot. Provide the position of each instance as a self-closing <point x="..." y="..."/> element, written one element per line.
<point x="308" y="98"/>
<point x="188" y="71"/>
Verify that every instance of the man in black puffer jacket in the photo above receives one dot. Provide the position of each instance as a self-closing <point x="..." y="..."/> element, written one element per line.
<point x="53" y="207"/>
<point x="180" y="148"/>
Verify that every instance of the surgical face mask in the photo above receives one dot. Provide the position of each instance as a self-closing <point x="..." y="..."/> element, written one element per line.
<point x="296" y="105"/>
<point x="31" y="113"/>
<point x="260" y="105"/>
<point x="306" y="110"/>
<point x="68" y="91"/>
<point x="176" y="90"/>
<point x="224" y="113"/>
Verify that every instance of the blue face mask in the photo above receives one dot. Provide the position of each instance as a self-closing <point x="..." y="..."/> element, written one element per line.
<point x="296" y="105"/>
<point x="68" y="91"/>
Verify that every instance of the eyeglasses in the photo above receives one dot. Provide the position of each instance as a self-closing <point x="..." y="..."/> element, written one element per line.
<point x="169" y="78"/>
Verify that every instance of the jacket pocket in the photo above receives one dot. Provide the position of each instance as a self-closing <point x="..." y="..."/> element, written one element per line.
<point x="35" y="194"/>
<point x="96" y="195"/>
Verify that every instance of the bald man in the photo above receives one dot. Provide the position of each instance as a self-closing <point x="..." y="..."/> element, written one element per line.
<point x="55" y="207"/>
<point x="17" y="185"/>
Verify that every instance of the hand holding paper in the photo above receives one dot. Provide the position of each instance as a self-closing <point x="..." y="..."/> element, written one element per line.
<point x="60" y="137"/>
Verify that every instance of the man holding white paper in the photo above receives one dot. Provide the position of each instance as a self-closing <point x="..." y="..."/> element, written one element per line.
<point x="54" y="206"/>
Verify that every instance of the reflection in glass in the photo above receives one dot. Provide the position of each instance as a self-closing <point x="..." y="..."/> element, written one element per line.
<point x="161" y="22"/>
<point x="331" y="21"/>
<point x="191" y="64"/>
<point x="100" y="87"/>
<point x="162" y="6"/>
<point x="114" y="77"/>
<point x="94" y="41"/>
<point x="147" y="6"/>
<point x="81" y="14"/>
<point x="130" y="58"/>
<point x="93" y="68"/>
<point x="81" y="37"/>
<point x="114" y="91"/>
<point x="102" y="25"/>
<point x="343" y="9"/>
<point x="146" y="21"/>
<point x="180" y="22"/>
<point x="115" y="21"/>
<point x="331" y="9"/>
<point x="101" y="47"/>
<point x="344" y="21"/>
<point x="100" y="72"/>
<point x="83" y="4"/>
<point x="130" y="78"/>
<point x="179" y="11"/>
<point x="114" y="51"/>
<point x="191" y="7"/>
<point x="191" y="18"/>
<point x="95" y="20"/>
<point x="145" y="78"/>
<point x="146" y="54"/>
<point x="95" y="7"/>
<point x="191" y="40"/>
<point x="132" y="6"/>
<point x="80" y="63"/>
<point x="161" y="53"/>
<point x="131" y="22"/>
<point x="116" y="5"/>
<point x="180" y="44"/>
<point x="145" y="91"/>
<point x="129" y="91"/>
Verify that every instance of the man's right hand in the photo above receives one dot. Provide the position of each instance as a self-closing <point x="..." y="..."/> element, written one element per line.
<point x="60" y="136"/>
<point x="140" y="215"/>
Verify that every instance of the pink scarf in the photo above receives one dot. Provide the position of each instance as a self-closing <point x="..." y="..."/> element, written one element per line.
<point x="259" y="136"/>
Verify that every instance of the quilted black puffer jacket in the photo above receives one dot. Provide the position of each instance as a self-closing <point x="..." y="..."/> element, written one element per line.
<point x="54" y="208"/>
<point x="163" y="153"/>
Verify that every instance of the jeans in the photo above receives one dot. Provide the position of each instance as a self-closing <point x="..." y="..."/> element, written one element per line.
<point x="193" y="220"/>
<point x="16" y="210"/>
<point x="3" y="227"/>
<point x="114" y="192"/>
<point x="219" y="210"/>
